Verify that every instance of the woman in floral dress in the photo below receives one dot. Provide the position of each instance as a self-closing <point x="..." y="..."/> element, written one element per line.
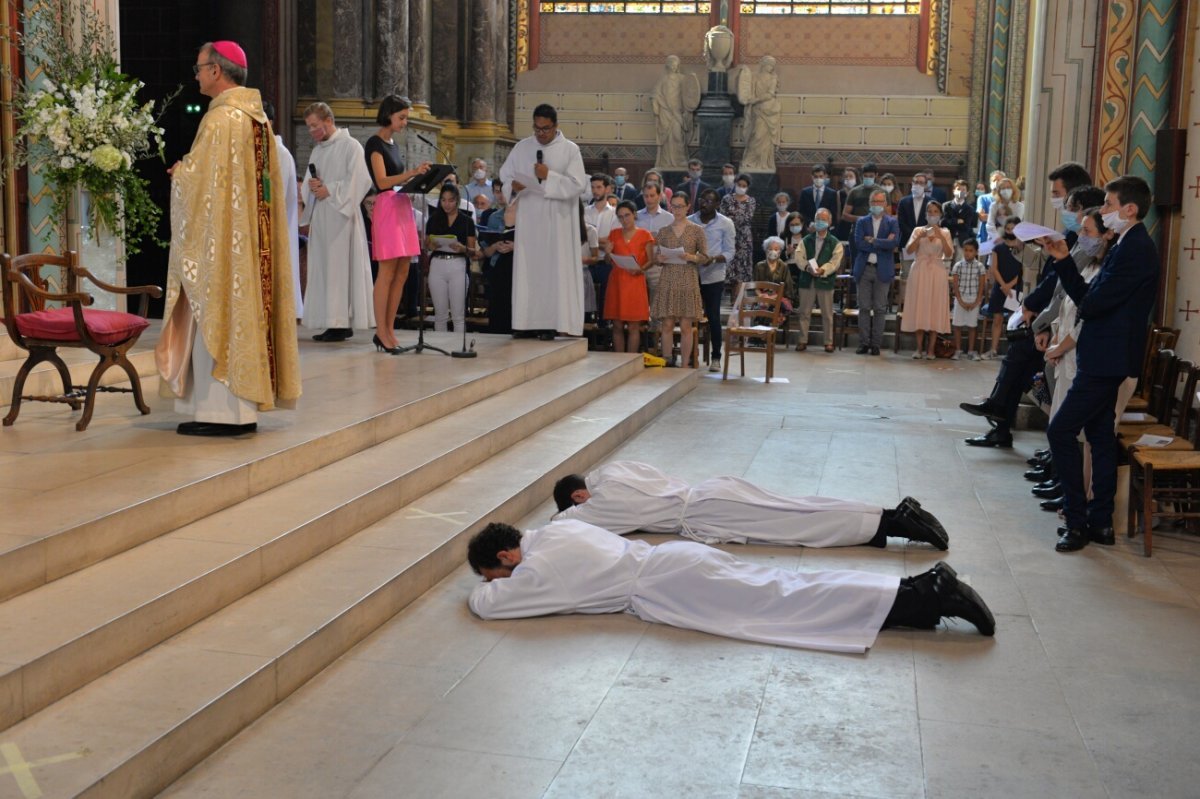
<point x="739" y="206"/>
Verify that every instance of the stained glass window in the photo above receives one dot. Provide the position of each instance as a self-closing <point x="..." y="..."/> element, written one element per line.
<point x="664" y="7"/>
<point x="769" y="7"/>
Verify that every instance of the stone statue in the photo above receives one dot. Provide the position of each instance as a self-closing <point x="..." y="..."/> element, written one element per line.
<point x="757" y="90"/>
<point x="675" y="99"/>
<point x="718" y="48"/>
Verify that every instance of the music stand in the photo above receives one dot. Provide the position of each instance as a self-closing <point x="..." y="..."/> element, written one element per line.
<point x="420" y="186"/>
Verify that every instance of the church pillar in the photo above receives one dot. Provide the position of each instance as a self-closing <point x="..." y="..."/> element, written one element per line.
<point x="1151" y="101"/>
<point x="482" y="67"/>
<point x="418" y="54"/>
<point x="347" y="48"/>
<point x="998" y="81"/>
<point x="391" y="47"/>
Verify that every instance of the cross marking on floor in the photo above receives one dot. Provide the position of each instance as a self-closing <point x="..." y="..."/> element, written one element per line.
<point x="417" y="513"/>
<point x="589" y="418"/>
<point x="22" y="769"/>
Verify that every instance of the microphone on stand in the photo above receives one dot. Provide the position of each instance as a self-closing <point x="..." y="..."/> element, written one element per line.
<point x="539" y="160"/>
<point x="441" y="152"/>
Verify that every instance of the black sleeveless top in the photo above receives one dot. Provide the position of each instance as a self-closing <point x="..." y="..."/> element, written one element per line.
<point x="392" y="162"/>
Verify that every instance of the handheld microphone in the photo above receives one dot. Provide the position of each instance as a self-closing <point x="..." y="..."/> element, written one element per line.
<point x="312" y="170"/>
<point x="539" y="160"/>
<point x="441" y="152"/>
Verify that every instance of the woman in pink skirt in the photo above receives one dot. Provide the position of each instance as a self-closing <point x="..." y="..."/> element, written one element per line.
<point x="927" y="293"/>
<point x="394" y="236"/>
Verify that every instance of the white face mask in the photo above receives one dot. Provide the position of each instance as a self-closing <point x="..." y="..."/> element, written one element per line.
<point x="934" y="221"/>
<point x="1114" y="222"/>
<point x="740" y="190"/>
<point x="1006" y="194"/>
<point x="995" y="183"/>
<point x="479" y="174"/>
<point x="728" y="179"/>
<point x="960" y="194"/>
<point x="782" y="207"/>
<point x="1057" y="203"/>
<point x="918" y="190"/>
<point x="772" y="255"/>
<point x="849" y="182"/>
<point x="888" y="187"/>
<point x="818" y="183"/>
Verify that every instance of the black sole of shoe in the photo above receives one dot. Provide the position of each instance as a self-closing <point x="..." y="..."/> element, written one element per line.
<point x="989" y="625"/>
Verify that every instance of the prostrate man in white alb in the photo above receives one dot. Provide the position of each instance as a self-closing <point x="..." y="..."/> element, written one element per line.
<point x="626" y="496"/>
<point x="339" y="292"/>
<point x="573" y="567"/>
<point x="546" y="172"/>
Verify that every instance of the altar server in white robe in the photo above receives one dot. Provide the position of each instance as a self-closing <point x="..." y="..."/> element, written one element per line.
<point x="624" y="496"/>
<point x="339" y="291"/>
<point x="287" y="168"/>
<point x="547" y="170"/>
<point x="573" y="567"/>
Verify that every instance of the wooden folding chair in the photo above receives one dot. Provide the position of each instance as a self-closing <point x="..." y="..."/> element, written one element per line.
<point x="755" y="316"/>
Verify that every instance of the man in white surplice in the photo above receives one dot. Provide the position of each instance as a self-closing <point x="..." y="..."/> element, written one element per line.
<point x="547" y="171"/>
<point x="572" y="567"/>
<point x="339" y="290"/>
<point x="624" y="496"/>
<point x="287" y="167"/>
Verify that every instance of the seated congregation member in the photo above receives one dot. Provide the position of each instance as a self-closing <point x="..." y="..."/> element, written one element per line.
<point x="496" y="239"/>
<point x="876" y="237"/>
<point x="448" y="263"/>
<point x="395" y="239"/>
<point x="624" y="496"/>
<point x="626" y="302"/>
<point x="818" y="195"/>
<point x="678" y="296"/>
<point x="967" y="280"/>
<point x="573" y="567"/>
<point x="926" y="294"/>
<point x="721" y="237"/>
<point x="1069" y="183"/>
<point x="1115" y="308"/>
<point x="773" y="269"/>
<point x="1004" y="273"/>
<point x="818" y="258"/>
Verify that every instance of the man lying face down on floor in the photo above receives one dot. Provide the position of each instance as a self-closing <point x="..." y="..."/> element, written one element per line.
<point x="624" y="496"/>
<point x="570" y="566"/>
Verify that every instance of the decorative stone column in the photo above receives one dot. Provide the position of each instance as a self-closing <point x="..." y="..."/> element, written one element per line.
<point x="347" y="44"/>
<point x="391" y="47"/>
<point x="418" y="54"/>
<point x="482" y="68"/>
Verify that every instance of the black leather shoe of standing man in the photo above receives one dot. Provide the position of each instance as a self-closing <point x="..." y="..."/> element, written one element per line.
<point x="1053" y="492"/>
<point x="986" y="408"/>
<point x="874" y="350"/>
<point x="1071" y="540"/>
<point x="863" y="349"/>
<point x="992" y="439"/>
<point x="1104" y="536"/>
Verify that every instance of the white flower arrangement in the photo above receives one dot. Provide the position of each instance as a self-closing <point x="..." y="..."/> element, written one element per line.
<point x="82" y="126"/>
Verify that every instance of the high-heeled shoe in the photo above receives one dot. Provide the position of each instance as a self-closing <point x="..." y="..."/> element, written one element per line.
<point x="379" y="346"/>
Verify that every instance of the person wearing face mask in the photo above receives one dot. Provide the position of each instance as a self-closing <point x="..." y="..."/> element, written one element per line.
<point x="692" y="187"/>
<point x="774" y="269"/>
<point x="1023" y="359"/>
<point x="739" y="207"/>
<point x="842" y="226"/>
<point x="479" y="182"/>
<point x="958" y="215"/>
<point x="721" y="236"/>
<point x="1115" y="308"/>
<point x="1004" y="273"/>
<point x="983" y="204"/>
<point x="622" y="188"/>
<point x="777" y="224"/>
<point x="819" y="195"/>
<point x="911" y="214"/>
<point x="1006" y="205"/>
<point x="728" y="181"/>
<point x="858" y="203"/>
<point x="887" y="181"/>
<point x="875" y="240"/>
<point x="926" y="296"/>
<point x="819" y="258"/>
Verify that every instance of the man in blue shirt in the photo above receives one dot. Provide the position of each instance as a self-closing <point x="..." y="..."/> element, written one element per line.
<point x="721" y="236"/>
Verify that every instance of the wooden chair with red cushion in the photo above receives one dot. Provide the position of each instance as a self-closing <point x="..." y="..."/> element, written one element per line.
<point x="41" y="330"/>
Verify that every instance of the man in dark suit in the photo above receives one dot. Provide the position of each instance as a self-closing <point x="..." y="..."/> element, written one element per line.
<point x="692" y="187"/>
<point x="910" y="213"/>
<point x="728" y="181"/>
<point x="932" y="189"/>
<point x="621" y="187"/>
<point x="875" y="241"/>
<point x="818" y="195"/>
<point x="1115" y="309"/>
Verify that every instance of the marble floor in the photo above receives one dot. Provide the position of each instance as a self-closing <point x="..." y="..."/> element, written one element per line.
<point x="1085" y="691"/>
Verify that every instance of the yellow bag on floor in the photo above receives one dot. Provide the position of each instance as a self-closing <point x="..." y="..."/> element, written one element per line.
<point x="649" y="360"/>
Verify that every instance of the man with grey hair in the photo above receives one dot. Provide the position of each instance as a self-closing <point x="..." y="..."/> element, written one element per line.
<point x="479" y="183"/>
<point x="876" y="237"/>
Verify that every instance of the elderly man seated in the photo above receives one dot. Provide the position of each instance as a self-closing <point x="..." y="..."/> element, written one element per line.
<point x="624" y="496"/>
<point x="572" y="567"/>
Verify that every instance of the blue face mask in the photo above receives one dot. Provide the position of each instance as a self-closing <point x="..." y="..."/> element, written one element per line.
<point x="619" y="180"/>
<point x="876" y="210"/>
<point x="868" y="182"/>
<point x="1070" y="220"/>
<point x="979" y="193"/>
<point x="821" y="224"/>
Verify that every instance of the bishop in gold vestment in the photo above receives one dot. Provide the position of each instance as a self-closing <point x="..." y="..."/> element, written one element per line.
<point x="228" y="347"/>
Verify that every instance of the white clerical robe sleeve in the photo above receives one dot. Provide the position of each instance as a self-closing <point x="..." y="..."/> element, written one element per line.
<point x="569" y="184"/>
<point x="531" y="590"/>
<point x="352" y="183"/>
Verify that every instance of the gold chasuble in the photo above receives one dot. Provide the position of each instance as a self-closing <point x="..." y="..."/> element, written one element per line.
<point x="230" y="257"/>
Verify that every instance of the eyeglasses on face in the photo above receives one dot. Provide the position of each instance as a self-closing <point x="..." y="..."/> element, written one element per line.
<point x="543" y="128"/>
<point x="197" y="67"/>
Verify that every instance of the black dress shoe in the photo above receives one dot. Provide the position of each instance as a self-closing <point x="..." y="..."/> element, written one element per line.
<point x="986" y="408"/>
<point x="1071" y="540"/>
<point x="1041" y="453"/>
<point x="1039" y="460"/>
<point x="874" y="350"/>
<point x="334" y="334"/>
<point x="545" y="335"/>
<point x="909" y="520"/>
<point x="1052" y="505"/>
<point x="214" y="429"/>
<point x="1036" y="475"/>
<point x="862" y="350"/>
<point x="1054" y="492"/>
<point x="992" y="439"/>
<point x="1047" y="483"/>
<point x="955" y="599"/>
<point x="1104" y="536"/>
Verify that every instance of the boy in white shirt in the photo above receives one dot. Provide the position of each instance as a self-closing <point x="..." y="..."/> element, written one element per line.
<point x="967" y="278"/>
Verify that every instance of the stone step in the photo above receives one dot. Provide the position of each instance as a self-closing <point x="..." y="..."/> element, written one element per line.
<point x="70" y="631"/>
<point x="127" y="480"/>
<point x="134" y="730"/>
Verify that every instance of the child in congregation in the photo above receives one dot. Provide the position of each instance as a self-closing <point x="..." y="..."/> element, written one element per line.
<point x="967" y="278"/>
<point x="1004" y="273"/>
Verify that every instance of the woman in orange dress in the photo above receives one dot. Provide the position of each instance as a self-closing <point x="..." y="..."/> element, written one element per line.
<point x="626" y="302"/>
